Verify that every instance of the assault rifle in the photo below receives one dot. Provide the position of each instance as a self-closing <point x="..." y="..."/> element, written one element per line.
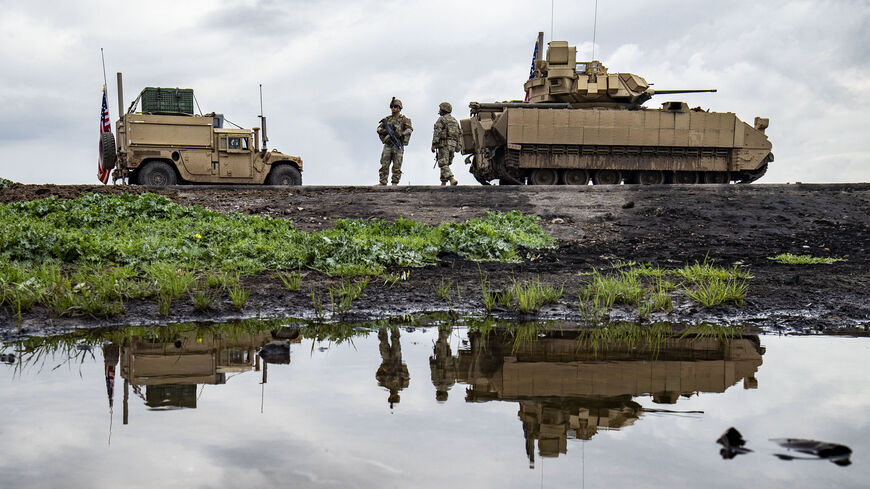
<point x="394" y="138"/>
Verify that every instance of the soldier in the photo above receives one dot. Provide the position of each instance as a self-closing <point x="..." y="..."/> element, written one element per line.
<point x="394" y="144"/>
<point x="446" y="141"/>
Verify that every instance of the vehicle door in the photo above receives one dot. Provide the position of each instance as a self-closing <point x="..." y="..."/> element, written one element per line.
<point x="235" y="156"/>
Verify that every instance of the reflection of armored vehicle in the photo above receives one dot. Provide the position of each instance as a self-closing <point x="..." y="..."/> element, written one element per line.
<point x="583" y="123"/>
<point x="568" y="388"/>
<point x="165" y="143"/>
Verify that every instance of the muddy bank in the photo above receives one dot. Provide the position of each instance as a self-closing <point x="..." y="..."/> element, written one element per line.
<point x="597" y="227"/>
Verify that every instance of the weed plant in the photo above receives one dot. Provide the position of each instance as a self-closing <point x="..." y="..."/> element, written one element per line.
<point x="139" y="246"/>
<point x="343" y="295"/>
<point x="202" y="299"/>
<point x="290" y="280"/>
<point x="445" y="290"/>
<point x="650" y="290"/>
<point x="238" y="296"/>
<point x="791" y="259"/>
<point x="526" y="297"/>
<point x="717" y="291"/>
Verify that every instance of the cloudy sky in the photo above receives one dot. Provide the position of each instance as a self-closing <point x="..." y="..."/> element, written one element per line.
<point x="329" y="68"/>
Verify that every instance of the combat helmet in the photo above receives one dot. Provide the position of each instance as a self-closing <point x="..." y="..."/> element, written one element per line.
<point x="396" y="101"/>
<point x="446" y="107"/>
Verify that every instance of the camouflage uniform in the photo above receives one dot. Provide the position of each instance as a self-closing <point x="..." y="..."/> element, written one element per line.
<point x="446" y="141"/>
<point x="391" y="153"/>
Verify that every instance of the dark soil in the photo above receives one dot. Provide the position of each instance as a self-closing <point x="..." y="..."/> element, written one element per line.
<point x="597" y="227"/>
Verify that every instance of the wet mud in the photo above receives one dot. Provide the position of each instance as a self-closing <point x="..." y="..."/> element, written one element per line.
<point x="597" y="228"/>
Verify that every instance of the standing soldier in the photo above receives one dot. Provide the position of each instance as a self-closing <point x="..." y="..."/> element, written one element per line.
<point x="395" y="132"/>
<point x="445" y="142"/>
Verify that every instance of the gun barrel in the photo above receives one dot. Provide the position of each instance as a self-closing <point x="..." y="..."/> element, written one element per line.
<point x="500" y="106"/>
<point x="664" y="92"/>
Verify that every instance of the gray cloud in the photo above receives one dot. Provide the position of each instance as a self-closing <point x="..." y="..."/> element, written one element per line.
<point x="328" y="70"/>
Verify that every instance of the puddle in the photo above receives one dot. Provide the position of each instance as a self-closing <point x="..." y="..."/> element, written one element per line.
<point x="430" y="407"/>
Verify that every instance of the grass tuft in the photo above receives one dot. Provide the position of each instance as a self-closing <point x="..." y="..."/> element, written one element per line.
<point x="791" y="259"/>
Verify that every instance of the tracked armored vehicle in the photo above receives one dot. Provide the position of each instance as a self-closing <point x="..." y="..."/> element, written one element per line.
<point x="582" y="123"/>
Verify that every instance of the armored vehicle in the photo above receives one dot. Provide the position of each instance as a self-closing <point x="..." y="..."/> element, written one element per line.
<point x="581" y="123"/>
<point x="165" y="143"/>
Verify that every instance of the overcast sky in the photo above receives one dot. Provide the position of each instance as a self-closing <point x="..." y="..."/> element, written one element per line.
<point x="329" y="69"/>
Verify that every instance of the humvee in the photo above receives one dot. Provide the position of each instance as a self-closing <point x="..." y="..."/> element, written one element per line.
<point x="164" y="143"/>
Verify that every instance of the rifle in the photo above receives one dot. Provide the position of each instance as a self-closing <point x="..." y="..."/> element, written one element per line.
<point x="394" y="138"/>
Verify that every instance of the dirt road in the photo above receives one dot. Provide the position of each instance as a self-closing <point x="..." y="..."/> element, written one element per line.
<point x="598" y="226"/>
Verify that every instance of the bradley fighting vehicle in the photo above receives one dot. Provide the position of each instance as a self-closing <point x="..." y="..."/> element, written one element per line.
<point x="583" y="123"/>
<point x="164" y="143"/>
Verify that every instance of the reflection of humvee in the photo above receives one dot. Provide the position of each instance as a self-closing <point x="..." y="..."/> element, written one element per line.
<point x="170" y="372"/>
<point x="566" y="389"/>
<point x="164" y="143"/>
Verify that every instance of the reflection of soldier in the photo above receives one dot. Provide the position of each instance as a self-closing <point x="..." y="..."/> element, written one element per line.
<point x="445" y="142"/>
<point x="393" y="373"/>
<point x="394" y="149"/>
<point x="443" y="365"/>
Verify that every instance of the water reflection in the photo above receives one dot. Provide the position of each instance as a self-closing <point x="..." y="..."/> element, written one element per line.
<point x="568" y="389"/>
<point x="166" y="372"/>
<point x="619" y="410"/>
<point x="392" y="373"/>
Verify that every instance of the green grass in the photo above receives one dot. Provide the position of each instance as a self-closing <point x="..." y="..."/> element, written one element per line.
<point x="445" y="290"/>
<point x="146" y="246"/>
<point x="291" y="280"/>
<point x="791" y="259"/>
<point x="717" y="291"/>
<point x="238" y="296"/>
<point x="202" y="299"/>
<point x="343" y="295"/>
<point x="526" y="297"/>
<point x="5" y="183"/>
<point x="652" y="289"/>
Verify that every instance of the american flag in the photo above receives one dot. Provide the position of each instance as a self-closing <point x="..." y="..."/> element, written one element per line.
<point x="105" y="126"/>
<point x="532" y="69"/>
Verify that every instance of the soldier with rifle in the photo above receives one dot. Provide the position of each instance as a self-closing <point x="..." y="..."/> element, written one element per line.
<point x="395" y="132"/>
<point x="446" y="141"/>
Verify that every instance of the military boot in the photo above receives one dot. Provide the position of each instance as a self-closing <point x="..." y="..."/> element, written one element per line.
<point x="443" y="183"/>
<point x="453" y="181"/>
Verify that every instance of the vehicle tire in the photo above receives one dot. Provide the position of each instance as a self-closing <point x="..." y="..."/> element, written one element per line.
<point x="685" y="177"/>
<point x="651" y="177"/>
<point x="108" y="152"/>
<point x="576" y="177"/>
<point x="544" y="176"/>
<point x="284" y="175"/>
<point x="157" y="174"/>
<point x="606" y="177"/>
<point x="720" y="177"/>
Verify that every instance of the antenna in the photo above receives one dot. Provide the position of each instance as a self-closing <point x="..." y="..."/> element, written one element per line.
<point x="594" y="29"/>
<point x="263" y="119"/>
<point x="552" y="16"/>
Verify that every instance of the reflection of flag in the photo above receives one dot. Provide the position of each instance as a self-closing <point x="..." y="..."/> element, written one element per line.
<point x="111" y="355"/>
<point x="105" y="126"/>
<point x="532" y="69"/>
<point x="110" y="383"/>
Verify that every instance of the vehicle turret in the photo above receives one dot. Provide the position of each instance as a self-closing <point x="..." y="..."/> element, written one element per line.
<point x="561" y="79"/>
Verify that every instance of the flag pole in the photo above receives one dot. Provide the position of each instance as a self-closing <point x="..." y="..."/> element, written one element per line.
<point x="103" y="57"/>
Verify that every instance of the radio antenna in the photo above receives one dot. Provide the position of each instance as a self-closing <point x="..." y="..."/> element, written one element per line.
<point x="594" y="29"/>
<point x="263" y="119"/>
<point x="552" y="16"/>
